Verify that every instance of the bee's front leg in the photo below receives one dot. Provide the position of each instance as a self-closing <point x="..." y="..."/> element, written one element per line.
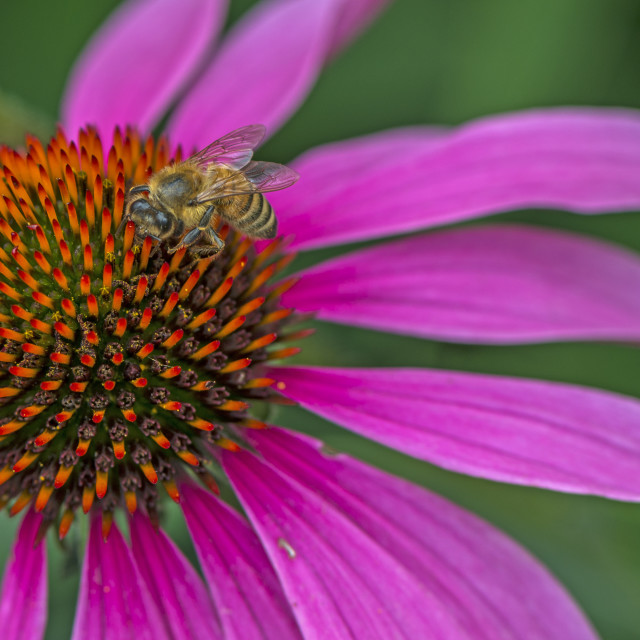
<point x="205" y="221"/>
<point x="203" y="229"/>
<point x="189" y="239"/>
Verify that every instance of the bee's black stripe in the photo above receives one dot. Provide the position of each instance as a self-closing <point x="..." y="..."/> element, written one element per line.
<point x="265" y="212"/>
<point x="266" y="224"/>
<point x="247" y="206"/>
<point x="254" y="213"/>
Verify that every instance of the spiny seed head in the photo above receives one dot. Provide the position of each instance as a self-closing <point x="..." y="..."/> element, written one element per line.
<point x="123" y="366"/>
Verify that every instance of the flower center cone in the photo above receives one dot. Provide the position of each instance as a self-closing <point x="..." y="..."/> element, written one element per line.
<point x="123" y="367"/>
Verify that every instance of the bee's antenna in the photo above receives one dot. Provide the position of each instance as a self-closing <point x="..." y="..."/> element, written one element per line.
<point x="141" y="188"/>
<point x="125" y="219"/>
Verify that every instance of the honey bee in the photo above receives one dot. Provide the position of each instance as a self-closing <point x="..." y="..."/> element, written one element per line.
<point x="187" y="200"/>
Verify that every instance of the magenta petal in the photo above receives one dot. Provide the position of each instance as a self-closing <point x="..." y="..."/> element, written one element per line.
<point x="494" y="587"/>
<point x="135" y="65"/>
<point x="262" y="72"/>
<point x="543" y="434"/>
<point x="23" y="602"/>
<point x="243" y="585"/>
<point x="324" y="169"/>
<point x="494" y="284"/>
<point x="177" y="590"/>
<point x="341" y="582"/>
<point x="583" y="160"/>
<point x="354" y="17"/>
<point x="113" y="603"/>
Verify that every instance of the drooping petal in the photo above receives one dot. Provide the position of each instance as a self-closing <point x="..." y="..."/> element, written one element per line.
<point x="23" y="601"/>
<point x="262" y="72"/>
<point x="113" y="603"/>
<point x="543" y="434"/>
<point x="583" y="160"/>
<point x="493" y="586"/>
<point x="493" y="284"/>
<point x="138" y="61"/>
<point x="178" y="591"/>
<point x="243" y="585"/>
<point x="340" y="581"/>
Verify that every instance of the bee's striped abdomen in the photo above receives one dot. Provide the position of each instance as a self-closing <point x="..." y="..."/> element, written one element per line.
<point x="255" y="217"/>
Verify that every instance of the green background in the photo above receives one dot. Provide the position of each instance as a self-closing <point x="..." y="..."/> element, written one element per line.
<point x="423" y="61"/>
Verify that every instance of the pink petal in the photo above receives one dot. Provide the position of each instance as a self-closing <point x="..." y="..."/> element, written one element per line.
<point x="324" y="169"/>
<point x="494" y="587"/>
<point x="262" y="72"/>
<point x="23" y="602"/>
<point x="113" y="603"/>
<point x="495" y="284"/>
<point x="354" y="17"/>
<point x="246" y="591"/>
<point x="583" y="160"/>
<point x="341" y="582"/>
<point x="543" y="434"/>
<point x="138" y="61"/>
<point x="178" y="591"/>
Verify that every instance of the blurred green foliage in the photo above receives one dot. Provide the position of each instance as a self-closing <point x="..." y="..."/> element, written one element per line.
<point x="423" y="61"/>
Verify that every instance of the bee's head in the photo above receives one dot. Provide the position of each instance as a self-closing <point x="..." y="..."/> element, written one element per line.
<point x="150" y="221"/>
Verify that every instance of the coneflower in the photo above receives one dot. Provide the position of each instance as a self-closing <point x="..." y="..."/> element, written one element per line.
<point x="132" y="376"/>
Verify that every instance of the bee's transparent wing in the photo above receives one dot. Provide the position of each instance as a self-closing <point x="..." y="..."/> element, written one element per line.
<point x="256" y="177"/>
<point x="234" y="150"/>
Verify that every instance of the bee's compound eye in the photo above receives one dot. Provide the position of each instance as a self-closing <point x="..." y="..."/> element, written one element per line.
<point x="163" y="221"/>
<point x="141" y="206"/>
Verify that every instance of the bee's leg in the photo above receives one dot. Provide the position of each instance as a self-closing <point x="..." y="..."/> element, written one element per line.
<point x="205" y="221"/>
<point x="191" y="238"/>
<point x="203" y="251"/>
<point x="194" y="235"/>
<point x="214" y="239"/>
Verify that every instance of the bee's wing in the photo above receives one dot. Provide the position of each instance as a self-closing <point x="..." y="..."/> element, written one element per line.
<point x="256" y="177"/>
<point x="234" y="150"/>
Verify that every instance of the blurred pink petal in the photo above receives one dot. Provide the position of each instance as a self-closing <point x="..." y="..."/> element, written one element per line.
<point x="543" y="434"/>
<point x="494" y="284"/>
<point x="23" y="601"/>
<point x="113" y="603"/>
<point x="353" y="18"/>
<point x="138" y="61"/>
<point x="177" y="590"/>
<point x="341" y="582"/>
<point x="495" y="588"/>
<point x="262" y="72"/>
<point x="583" y="160"/>
<point x="243" y="585"/>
